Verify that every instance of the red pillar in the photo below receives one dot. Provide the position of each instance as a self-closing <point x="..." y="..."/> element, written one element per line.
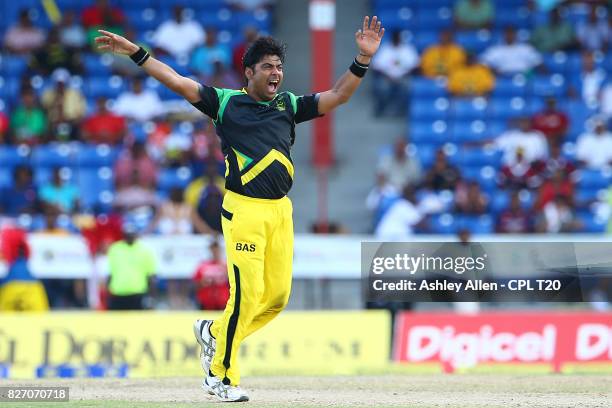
<point x="322" y="19"/>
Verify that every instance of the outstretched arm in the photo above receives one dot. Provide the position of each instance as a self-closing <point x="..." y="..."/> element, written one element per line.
<point x="186" y="87"/>
<point x="367" y="39"/>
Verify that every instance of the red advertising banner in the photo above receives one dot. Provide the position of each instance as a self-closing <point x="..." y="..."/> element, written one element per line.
<point x="463" y="341"/>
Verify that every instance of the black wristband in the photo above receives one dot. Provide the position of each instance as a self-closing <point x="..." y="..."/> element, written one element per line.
<point x="140" y="56"/>
<point x="358" y="69"/>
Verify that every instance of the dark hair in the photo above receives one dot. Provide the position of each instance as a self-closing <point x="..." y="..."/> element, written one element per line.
<point x="260" y="48"/>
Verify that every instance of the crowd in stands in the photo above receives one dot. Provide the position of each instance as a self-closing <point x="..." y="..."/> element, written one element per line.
<point x="85" y="137"/>
<point x="508" y="110"/>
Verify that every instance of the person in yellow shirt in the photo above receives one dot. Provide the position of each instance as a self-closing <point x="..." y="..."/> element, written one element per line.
<point x="473" y="79"/>
<point x="443" y="58"/>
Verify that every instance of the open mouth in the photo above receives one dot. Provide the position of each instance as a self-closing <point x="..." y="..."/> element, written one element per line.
<point x="273" y="85"/>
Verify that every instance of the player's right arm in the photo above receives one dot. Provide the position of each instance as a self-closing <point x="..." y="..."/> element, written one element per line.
<point x="186" y="87"/>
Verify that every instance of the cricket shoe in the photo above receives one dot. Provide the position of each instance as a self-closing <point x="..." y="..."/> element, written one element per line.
<point x="225" y="393"/>
<point x="208" y="344"/>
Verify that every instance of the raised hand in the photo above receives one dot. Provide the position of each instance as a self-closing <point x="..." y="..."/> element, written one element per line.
<point x="115" y="43"/>
<point x="368" y="38"/>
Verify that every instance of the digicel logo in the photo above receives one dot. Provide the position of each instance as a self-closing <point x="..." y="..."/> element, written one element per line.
<point x="594" y="341"/>
<point x="465" y="349"/>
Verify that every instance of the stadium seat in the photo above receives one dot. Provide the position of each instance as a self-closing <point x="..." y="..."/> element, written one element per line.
<point x="143" y="19"/>
<point x="426" y="154"/>
<point x="545" y="85"/>
<point x="476" y="157"/>
<point x="443" y="224"/>
<point x="436" y="133"/>
<point x="6" y="177"/>
<point x="93" y="156"/>
<point x="593" y="179"/>
<point x="424" y="39"/>
<point x="485" y="176"/>
<point x="421" y="87"/>
<point x="469" y="109"/>
<point x="424" y="109"/>
<point x="474" y="41"/>
<point x="476" y="224"/>
<point x="171" y="178"/>
<point x="592" y="223"/>
<point x="401" y="19"/>
<point x="54" y="155"/>
<point x="11" y="156"/>
<point x="434" y="19"/>
<point x="505" y="108"/>
<point x="510" y="87"/>
<point x="95" y="66"/>
<point x="95" y="187"/>
<point x="104" y="87"/>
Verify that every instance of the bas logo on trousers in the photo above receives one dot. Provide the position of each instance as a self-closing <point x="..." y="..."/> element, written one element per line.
<point x="240" y="246"/>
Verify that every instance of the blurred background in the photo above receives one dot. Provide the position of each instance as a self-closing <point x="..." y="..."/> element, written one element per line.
<point x="479" y="120"/>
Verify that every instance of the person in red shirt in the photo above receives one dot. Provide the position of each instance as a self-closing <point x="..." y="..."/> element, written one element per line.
<point x="4" y="126"/>
<point x="558" y="185"/>
<point x="210" y="279"/>
<point x="103" y="127"/>
<point x="514" y="219"/>
<point x="250" y="35"/>
<point x="551" y="122"/>
<point x="102" y="14"/>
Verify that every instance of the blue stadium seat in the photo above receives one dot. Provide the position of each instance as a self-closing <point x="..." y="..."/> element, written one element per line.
<point x="593" y="179"/>
<point x="93" y="156"/>
<point x="421" y="87"/>
<point x="424" y="39"/>
<point x="477" y="224"/>
<point x="55" y="155"/>
<point x="222" y="19"/>
<point x="476" y="157"/>
<point x="509" y="87"/>
<point x="485" y="176"/>
<point x="474" y="41"/>
<point x="591" y="223"/>
<point x="104" y="87"/>
<point x="13" y="65"/>
<point x="436" y="133"/>
<point x="434" y="19"/>
<point x="583" y="196"/>
<point x="143" y="19"/>
<point x="469" y="109"/>
<point x="433" y="4"/>
<point x="43" y="175"/>
<point x="505" y="108"/>
<point x="422" y="109"/>
<point x="476" y="131"/>
<point x="65" y="5"/>
<point x="443" y="224"/>
<point x="549" y="85"/>
<point x="401" y="19"/>
<point x="95" y="186"/>
<point x="391" y="4"/>
<point x="171" y="178"/>
<point x="426" y="154"/>
<point x="515" y="17"/>
<point x="6" y="177"/>
<point x="261" y="20"/>
<point x="9" y="90"/>
<point x="499" y="202"/>
<point x="385" y="204"/>
<point x="94" y="66"/>
<point x="11" y="156"/>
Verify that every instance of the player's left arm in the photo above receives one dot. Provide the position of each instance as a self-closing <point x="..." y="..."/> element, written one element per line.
<point x="368" y="40"/>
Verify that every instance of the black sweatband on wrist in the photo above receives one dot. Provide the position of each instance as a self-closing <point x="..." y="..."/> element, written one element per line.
<point x="358" y="69"/>
<point x="140" y="56"/>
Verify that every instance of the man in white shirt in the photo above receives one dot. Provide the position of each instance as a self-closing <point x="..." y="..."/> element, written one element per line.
<point x="591" y="80"/>
<point x="178" y="36"/>
<point x="605" y="100"/>
<point x="138" y="104"/>
<point x="511" y="57"/>
<point x="532" y="143"/>
<point x="392" y="65"/>
<point x="398" y="223"/>
<point x="399" y="168"/>
<point x="594" y="149"/>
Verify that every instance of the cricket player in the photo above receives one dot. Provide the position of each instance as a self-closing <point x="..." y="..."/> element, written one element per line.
<point x="257" y="129"/>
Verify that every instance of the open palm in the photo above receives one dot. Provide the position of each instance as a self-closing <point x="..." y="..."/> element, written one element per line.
<point x="369" y="37"/>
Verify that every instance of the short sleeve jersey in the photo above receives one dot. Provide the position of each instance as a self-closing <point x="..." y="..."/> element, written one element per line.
<point x="256" y="137"/>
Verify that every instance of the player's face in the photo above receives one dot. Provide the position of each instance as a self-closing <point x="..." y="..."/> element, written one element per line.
<point x="267" y="77"/>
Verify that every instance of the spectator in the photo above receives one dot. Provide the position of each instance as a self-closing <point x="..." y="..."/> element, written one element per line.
<point x="137" y="159"/>
<point x="605" y="100"/>
<point x="4" y="127"/>
<point x="21" y="197"/>
<point x="593" y="34"/>
<point x="207" y="215"/>
<point x="590" y="81"/>
<point x="65" y="107"/>
<point x="399" y="168"/>
<point x="250" y="34"/>
<point x="514" y="219"/>
<point x="473" y="14"/>
<point x="221" y="77"/>
<point x="558" y="216"/>
<point x="211" y="282"/>
<point x="399" y="221"/>
<point x="511" y="57"/>
<point x="556" y="161"/>
<point x="443" y="58"/>
<point x="556" y="35"/>
<point x="103" y="126"/>
<point x="520" y="173"/>
<point x="55" y="56"/>
<point x="594" y="149"/>
<point x="138" y="104"/>
<point x="28" y="122"/>
<point x="558" y="185"/>
<point x="469" y="199"/>
<point x="196" y="187"/>
<point x="23" y="37"/>
<point x="132" y="271"/>
<point x="204" y="57"/>
<point x="71" y="33"/>
<point x="102" y="15"/>
<point x="178" y="36"/>
<point x="520" y="134"/>
<point x="381" y="192"/>
<point x="136" y="198"/>
<point x="551" y="122"/>
<point x="19" y="290"/>
<point x="393" y="64"/>
<point x="442" y="175"/>
<point x="174" y="216"/>
<point x="51" y="225"/>
<point x="58" y="194"/>
<point x="472" y="79"/>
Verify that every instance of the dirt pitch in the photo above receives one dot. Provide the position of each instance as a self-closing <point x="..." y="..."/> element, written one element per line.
<point x="428" y="390"/>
